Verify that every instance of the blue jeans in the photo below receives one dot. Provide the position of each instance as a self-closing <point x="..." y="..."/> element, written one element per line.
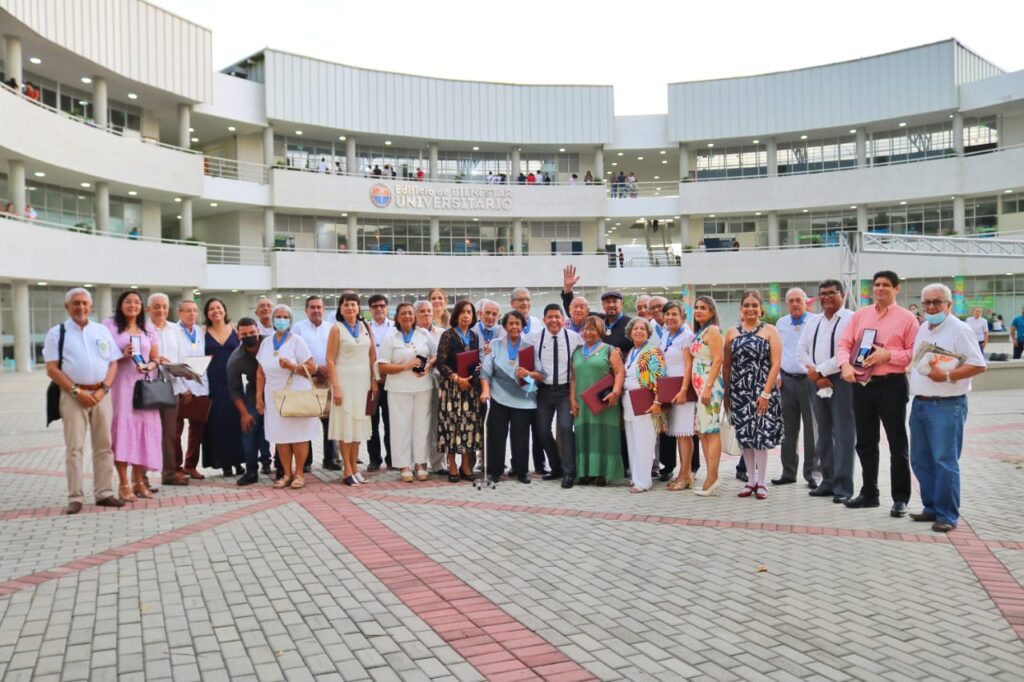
<point x="254" y="445"/>
<point x="936" y="438"/>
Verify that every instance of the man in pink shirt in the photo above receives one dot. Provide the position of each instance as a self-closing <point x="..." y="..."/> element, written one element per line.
<point x="883" y="399"/>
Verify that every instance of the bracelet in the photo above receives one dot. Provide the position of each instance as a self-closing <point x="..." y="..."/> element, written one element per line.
<point x="106" y="389"/>
<point x="766" y="396"/>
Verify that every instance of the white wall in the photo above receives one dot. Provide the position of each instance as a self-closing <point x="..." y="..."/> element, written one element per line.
<point x="131" y="38"/>
<point x="235" y="99"/>
<point x="34" y="133"/>
<point x="641" y="132"/>
<point x="304" y="90"/>
<point x="236" y="191"/>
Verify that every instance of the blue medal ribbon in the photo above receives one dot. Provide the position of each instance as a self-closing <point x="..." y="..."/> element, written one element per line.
<point x="278" y="344"/>
<point x="352" y="329"/>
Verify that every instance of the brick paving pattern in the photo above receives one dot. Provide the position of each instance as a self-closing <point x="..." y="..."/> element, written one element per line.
<point x="431" y="581"/>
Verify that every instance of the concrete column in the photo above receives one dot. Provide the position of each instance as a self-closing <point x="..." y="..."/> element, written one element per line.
<point x="101" y="207"/>
<point x="516" y="169"/>
<point x="22" y="325"/>
<point x="184" y="123"/>
<point x="186" y="218"/>
<point x="268" y="146"/>
<point x="684" y="231"/>
<point x="773" y="157"/>
<point x="151" y="220"/>
<point x="353" y="233"/>
<point x="432" y="169"/>
<point x="599" y="163"/>
<point x="959" y="215"/>
<point x="862" y="148"/>
<point x="12" y="59"/>
<point x="958" y="133"/>
<point x="104" y="301"/>
<point x="862" y="218"/>
<point x="684" y="162"/>
<point x="100" y="103"/>
<point x="269" y="228"/>
<point x="517" y="237"/>
<point x="773" y="229"/>
<point x="16" y="185"/>
<point x="435" y="233"/>
<point x="602" y="237"/>
<point x="350" y="156"/>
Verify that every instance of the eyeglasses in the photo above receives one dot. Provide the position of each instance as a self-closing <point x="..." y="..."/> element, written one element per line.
<point x="933" y="302"/>
<point x="822" y="294"/>
<point x="379" y="305"/>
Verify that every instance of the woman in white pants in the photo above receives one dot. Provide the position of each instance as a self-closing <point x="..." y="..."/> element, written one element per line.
<point x="406" y="359"/>
<point x="675" y="346"/>
<point x="644" y="366"/>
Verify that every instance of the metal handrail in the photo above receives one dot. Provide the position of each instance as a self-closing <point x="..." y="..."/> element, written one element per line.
<point x="946" y="246"/>
<point x="233" y="169"/>
<point x="451" y="179"/>
<point x="94" y="233"/>
<point x="651" y="188"/>
<point x="229" y="254"/>
<point x="92" y="124"/>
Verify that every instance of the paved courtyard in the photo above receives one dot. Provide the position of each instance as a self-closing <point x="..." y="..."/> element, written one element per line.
<point x="396" y="581"/>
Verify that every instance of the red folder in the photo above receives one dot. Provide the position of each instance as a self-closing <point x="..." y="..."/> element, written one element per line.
<point x="593" y="395"/>
<point x="641" y="399"/>
<point x="466" y="362"/>
<point x="526" y="357"/>
<point x="668" y="388"/>
<point x="371" y="402"/>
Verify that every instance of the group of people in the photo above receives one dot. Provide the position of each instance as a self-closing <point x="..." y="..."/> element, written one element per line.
<point x="625" y="186"/>
<point x="591" y="398"/>
<point x="29" y="212"/>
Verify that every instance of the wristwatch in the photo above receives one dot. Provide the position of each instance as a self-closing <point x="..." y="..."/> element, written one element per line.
<point x="949" y="378"/>
<point x="75" y="390"/>
<point x="106" y="389"/>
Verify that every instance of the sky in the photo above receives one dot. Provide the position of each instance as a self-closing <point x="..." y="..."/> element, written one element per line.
<point x="638" y="46"/>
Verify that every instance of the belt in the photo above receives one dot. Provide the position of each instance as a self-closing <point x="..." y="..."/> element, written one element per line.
<point x="88" y="387"/>
<point x="937" y="397"/>
<point x="791" y="375"/>
<point x="886" y="377"/>
<point x="552" y="387"/>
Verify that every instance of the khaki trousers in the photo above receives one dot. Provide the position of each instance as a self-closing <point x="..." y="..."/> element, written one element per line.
<point x="96" y="420"/>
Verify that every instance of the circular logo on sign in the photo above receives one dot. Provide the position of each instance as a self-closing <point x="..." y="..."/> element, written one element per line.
<point x="380" y="195"/>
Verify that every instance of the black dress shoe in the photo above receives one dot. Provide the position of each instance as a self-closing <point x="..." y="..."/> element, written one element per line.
<point x="552" y="476"/>
<point x="494" y="478"/>
<point x="228" y="471"/>
<point x="332" y="466"/>
<point x="523" y="478"/>
<point x="247" y="479"/>
<point x="861" y="502"/>
<point x="567" y="482"/>
<point x="898" y="509"/>
<point x="265" y="469"/>
<point x="820" y="491"/>
<point x="665" y="476"/>
<point x="586" y="480"/>
<point x="840" y="499"/>
<point x="923" y="516"/>
<point x="111" y="501"/>
<point x="373" y="467"/>
<point x="742" y="475"/>
<point x="813" y="485"/>
<point x="942" y="527"/>
<point x="782" y="480"/>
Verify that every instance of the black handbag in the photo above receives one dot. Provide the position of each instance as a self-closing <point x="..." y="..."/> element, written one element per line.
<point x="53" y="390"/>
<point x="153" y="394"/>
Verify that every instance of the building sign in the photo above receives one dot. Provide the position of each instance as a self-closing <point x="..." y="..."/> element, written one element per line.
<point x="418" y="196"/>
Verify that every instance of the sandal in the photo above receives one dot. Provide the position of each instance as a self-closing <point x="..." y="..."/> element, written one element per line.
<point x="142" y="490"/>
<point x="421" y="473"/>
<point x="283" y="482"/>
<point x="407" y="475"/>
<point x="747" y="491"/>
<point x="127" y="496"/>
<point x="298" y="482"/>
<point x="680" y="484"/>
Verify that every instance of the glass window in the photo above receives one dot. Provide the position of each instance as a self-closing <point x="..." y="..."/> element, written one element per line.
<point x="933" y="218"/>
<point x="980" y="134"/>
<point x="732" y="162"/>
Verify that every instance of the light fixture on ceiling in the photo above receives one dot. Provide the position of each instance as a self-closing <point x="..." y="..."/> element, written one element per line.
<point x="132" y="95"/>
<point x="757" y="213"/>
<point x="42" y="284"/>
<point x="755" y="141"/>
<point x="39" y="174"/>
<point x="476" y="220"/>
<point x="344" y="215"/>
<point x="476" y="149"/>
<point x="191" y="130"/>
<point x="657" y="177"/>
<point x="639" y="158"/>
<point x="903" y="124"/>
<point x="853" y="131"/>
<point x="86" y="80"/>
<point x="35" y="60"/>
<point x="231" y="129"/>
<point x="83" y="102"/>
<point x="853" y="206"/>
<point x="665" y="161"/>
<point x="803" y="137"/>
<point x="88" y="286"/>
<point x="805" y="210"/>
<point x="1007" y="191"/>
<point x="561" y="149"/>
<point x="615" y="163"/>
<point x="298" y="132"/>
<point x="85" y="184"/>
<point x="712" y="215"/>
<point x="342" y="138"/>
<point x="177" y="200"/>
<point x="903" y="203"/>
<point x="214" y="204"/>
<point x="387" y="143"/>
<point x="619" y="154"/>
<point x="195" y="139"/>
<point x="132" y="193"/>
<point x="178" y="217"/>
<point x="678" y="217"/>
<point x="663" y="152"/>
<point x="81" y="197"/>
<point x="711" y="144"/>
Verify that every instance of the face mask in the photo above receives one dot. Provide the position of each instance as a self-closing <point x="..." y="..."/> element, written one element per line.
<point x="281" y="324"/>
<point x="934" y="318"/>
<point x="251" y="341"/>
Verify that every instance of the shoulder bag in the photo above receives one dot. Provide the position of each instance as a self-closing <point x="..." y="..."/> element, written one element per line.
<point x="309" y="403"/>
<point x="53" y="390"/>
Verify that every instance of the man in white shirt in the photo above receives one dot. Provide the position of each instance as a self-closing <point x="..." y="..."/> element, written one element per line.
<point x="939" y="410"/>
<point x="657" y="316"/>
<point x="796" y="393"/>
<point x="978" y="325"/>
<point x="553" y="359"/>
<point x="522" y="301"/>
<point x="314" y="331"/>
<point x="380" y="325"/>
<point x="192" y="342"/>
<point x="487" y="327"/>
<point x="831" y="398"/>
<point x="263" y="322"/>
<point x="168" y="336"/>
<point x="82" y="361"/>
<point x="642" y="302"/>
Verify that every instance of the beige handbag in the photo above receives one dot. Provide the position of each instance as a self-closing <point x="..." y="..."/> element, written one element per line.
<point x="314" y="402"/>
<point x="730" y="444"/>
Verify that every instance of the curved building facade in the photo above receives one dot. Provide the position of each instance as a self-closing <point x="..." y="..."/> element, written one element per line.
<point x="128" y="162"/>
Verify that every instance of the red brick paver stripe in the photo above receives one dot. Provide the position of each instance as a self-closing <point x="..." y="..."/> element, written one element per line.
<point x="1002" y="588"/>
<point x="493" y="642"/>
<point x="141" y="504"/>
<point x="72" y="567"/>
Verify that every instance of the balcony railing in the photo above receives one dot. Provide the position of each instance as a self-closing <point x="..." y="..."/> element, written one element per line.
<point x="233" y="169"/>
<point x="449" y="179"/>
<point x="78" y="229"/>
<point x="944" y="246"/>
<point x="113" y="130"/>
<point x="634" y="190"/>
<point x="227" y="254"/>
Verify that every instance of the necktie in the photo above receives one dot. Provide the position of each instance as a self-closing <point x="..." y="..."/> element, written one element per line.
<point x="556" y="381"/>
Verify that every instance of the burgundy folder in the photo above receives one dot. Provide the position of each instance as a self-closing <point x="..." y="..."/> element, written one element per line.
<point x="371" y="402"/>
<point x="668" y="388"/>
<point x="466" y="362"/>
<point x="594" y="395"/>
<point x="641" y="399"/>
<point x="526" y="357"/>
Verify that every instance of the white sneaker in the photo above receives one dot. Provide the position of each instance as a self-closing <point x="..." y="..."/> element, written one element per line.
<point x="359" y="478"/>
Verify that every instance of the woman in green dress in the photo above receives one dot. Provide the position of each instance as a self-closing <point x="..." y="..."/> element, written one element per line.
<point x="598" y="457"/>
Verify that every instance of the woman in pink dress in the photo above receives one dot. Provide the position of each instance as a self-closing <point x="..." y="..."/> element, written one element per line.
<point x="135" y="434"/>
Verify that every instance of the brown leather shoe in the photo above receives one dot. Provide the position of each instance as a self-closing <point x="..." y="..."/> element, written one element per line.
<point x="73" y="508"/>
<point x="942" y="527"/>
<point x="177" y="478"/>
<point x="111" y="501"/>
<point x="192" y="473"/>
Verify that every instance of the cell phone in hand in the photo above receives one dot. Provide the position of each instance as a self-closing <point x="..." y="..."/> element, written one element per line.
<point x="136" y="342"/>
